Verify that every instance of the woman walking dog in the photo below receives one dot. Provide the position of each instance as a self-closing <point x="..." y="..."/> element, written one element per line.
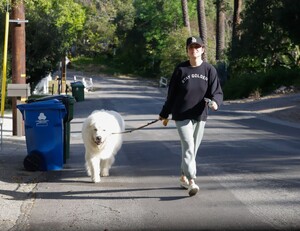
<point x="194" y="86"/>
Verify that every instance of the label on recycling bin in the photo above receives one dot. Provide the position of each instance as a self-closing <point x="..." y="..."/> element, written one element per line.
<point x="42" y="120"/>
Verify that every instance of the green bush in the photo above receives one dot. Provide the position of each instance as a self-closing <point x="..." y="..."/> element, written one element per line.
<point x="241" y="86"/>
<point x="244" y="85"/>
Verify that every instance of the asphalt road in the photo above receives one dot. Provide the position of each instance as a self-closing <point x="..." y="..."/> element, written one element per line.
<point x="248" y="173"/>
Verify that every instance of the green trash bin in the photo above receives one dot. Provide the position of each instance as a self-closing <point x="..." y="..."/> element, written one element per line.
<point x="68" y="102"/>
<point x="78" y="90"/>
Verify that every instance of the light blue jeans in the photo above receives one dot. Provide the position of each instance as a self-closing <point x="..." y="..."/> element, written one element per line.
<point x="191" y="134"/>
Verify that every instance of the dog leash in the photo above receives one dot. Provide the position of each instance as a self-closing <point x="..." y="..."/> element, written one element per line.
<point x="143" y="126"/>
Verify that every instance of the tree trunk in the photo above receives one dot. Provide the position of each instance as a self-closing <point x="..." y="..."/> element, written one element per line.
<point x="202" y="24"/>
<point x="185" y="13"/>
<point x="220" y="33"/>
<point x="236" y="35"/>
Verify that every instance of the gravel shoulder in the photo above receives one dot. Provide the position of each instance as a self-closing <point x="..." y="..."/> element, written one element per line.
<point x="280" y="106"/>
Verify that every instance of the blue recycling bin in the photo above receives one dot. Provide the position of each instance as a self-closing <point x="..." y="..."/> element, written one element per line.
<point x="44" y="127"/>
<point x="68" y="101"/>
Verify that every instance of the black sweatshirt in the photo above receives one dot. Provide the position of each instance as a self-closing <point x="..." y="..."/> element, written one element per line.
<point x="187" y="89"/>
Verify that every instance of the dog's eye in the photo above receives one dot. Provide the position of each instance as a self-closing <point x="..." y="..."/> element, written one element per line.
<point x="95" y="129"/>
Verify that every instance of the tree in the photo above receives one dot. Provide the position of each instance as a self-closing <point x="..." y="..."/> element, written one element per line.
<point x="107" y="25"/>
<point x="54" y="27"/>
<point x="3" y="5"/>
<point x="262" y="46"/>
<point x="124" y="19"/>
<point x="202" y="23"/>
<point x="236" y="35"/>
<point x="185" y="13"/>
<point x="175" y="53"/>
<point x="288" y="15"/>
<point x="154" y="22"/>
<point x="220" y="33"/>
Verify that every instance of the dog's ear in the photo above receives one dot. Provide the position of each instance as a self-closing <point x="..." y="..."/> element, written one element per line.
<point x="92" y="123"/>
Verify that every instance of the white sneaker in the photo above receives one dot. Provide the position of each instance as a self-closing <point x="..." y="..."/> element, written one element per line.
<point x="184" y="183"/>
<point x="193" y="189"/>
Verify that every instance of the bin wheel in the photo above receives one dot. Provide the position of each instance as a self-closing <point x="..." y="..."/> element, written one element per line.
<point x="33" y="162"/>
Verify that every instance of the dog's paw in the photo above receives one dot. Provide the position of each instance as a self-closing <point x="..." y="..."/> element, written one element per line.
<point x="96" y="179"/>
<point x="105" y="172"/>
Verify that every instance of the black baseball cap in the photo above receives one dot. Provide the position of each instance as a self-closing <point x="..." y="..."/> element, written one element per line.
<point x="194" y="40"/>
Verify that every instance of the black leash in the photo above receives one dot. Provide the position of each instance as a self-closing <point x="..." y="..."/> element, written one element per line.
<point x="143" y="126"/>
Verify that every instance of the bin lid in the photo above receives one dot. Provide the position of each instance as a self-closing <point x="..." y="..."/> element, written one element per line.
<point x="48" y="104"/>
<point x="66" y="99"/>
<point x="77" y="84"/>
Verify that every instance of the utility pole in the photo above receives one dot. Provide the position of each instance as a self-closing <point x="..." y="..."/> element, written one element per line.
<point x="18" y="58"/>
<point x="63" y="75"/>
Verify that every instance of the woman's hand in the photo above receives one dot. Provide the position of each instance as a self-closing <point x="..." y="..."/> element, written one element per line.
<point x="212" y="104"/>
<point x="165" y="121"/>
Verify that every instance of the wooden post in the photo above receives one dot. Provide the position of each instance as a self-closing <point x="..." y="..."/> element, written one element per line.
<point x="18" y="58"/>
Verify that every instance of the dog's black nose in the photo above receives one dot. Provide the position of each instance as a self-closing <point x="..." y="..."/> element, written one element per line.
<point x="98" y="139"/>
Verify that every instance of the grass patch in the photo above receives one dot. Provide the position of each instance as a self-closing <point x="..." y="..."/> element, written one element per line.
<point x="99" y="64"/>
<point x="104" y="65"/>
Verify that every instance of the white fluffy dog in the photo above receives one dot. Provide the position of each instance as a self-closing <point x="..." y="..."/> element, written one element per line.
<point x="100" y="141"/>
